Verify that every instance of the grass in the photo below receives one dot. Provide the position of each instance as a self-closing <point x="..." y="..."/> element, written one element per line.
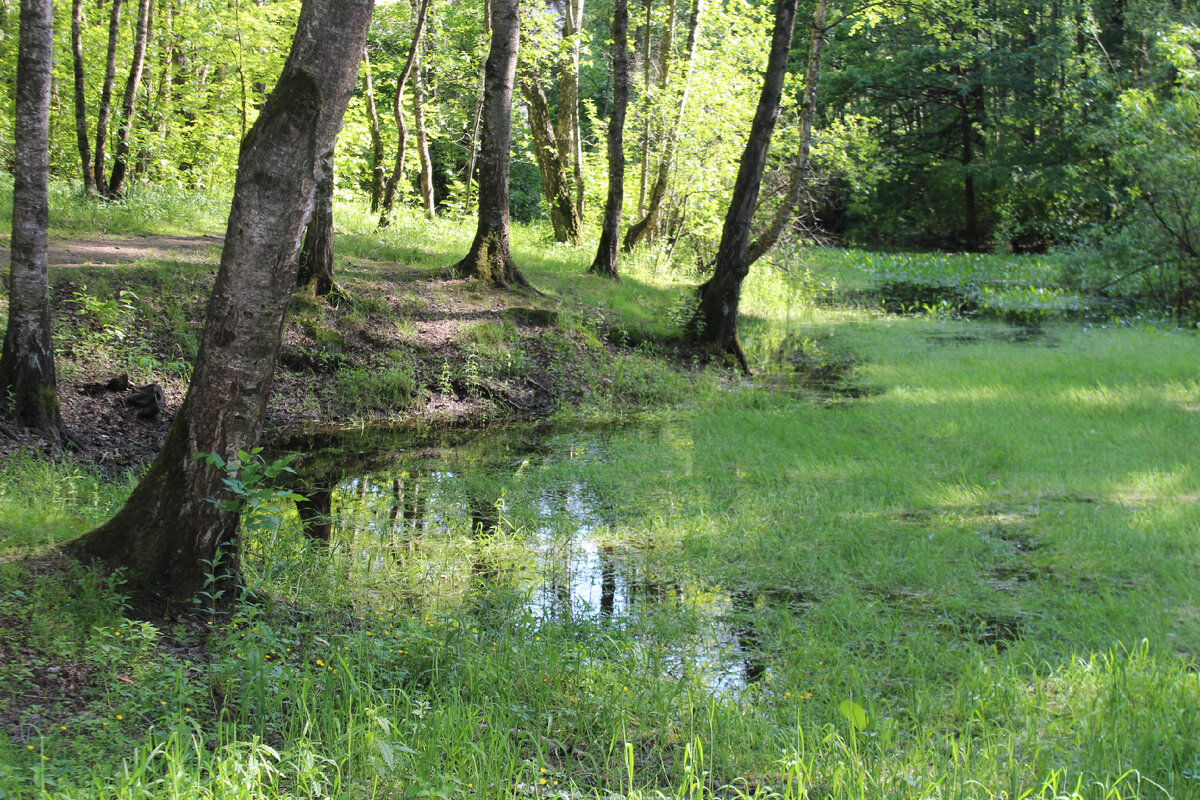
<point x="912" y="557"/>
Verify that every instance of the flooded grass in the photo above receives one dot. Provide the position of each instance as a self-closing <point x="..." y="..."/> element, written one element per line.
<point x="972" y="575"/>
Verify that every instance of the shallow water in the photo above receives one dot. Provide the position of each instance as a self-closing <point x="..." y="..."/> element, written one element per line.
<point x="448" y="523"/>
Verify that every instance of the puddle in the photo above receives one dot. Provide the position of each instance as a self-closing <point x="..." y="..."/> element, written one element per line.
<point x="454" y="522"/>
<point x="1023" y="335"/>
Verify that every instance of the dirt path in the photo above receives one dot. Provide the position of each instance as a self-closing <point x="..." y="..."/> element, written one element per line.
<point x="123" y="249"/>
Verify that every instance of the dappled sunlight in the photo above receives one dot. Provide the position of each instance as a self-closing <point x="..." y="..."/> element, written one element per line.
<point x="1164" y="485"/>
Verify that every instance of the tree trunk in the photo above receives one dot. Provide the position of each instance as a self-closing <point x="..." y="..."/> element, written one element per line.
<point x="316" y="256"/>
<point x="81" y="125"/>
<point x="121" y="155"/>
<point x="646" y="61"/>
<point x="715" y="321"/>
<point x="425" y="176"/>
<point x="168" y="535"/>
<point x="556" y="185"/>
<point x="808" y="114"/>
<point x="478" y="116"/>
<point x="648" y="226"/>
<point x="389" y="191"/>
<point x="605" y="262"/>
<point x="110" y="75"/>
<point x="376" y="136"/>
<point x="489" y="259"/>
<point x="27" y="381"/>
<point x="567" y="133"/>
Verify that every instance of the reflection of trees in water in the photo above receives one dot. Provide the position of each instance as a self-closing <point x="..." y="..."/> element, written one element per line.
<point x="745" y="606"/>
<point x="406" y="518"/>
<point x="316" y="514"/>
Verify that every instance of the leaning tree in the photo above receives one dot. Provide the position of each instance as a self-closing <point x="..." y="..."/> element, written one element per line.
<point x="490" y="259"/>
<point x="715" y="321"/>
<point x="169" y="536"/>
<point x="27" y="381"/>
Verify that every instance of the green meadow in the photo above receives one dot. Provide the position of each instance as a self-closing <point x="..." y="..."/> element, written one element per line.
<point x="919" y="553"/>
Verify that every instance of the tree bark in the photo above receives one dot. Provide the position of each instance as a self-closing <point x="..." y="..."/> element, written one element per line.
<point x="81" y="125"/>
<point x="425" y="175"/>
<point x="646" y="62"/>
<point x="168" y="535"/>
<point x="477" y="118"/>
<point x="110" y="75"/>
<point x="605" y="262"/>
<point x="490" y="260"/>
<point x="715" y="321"/>
<point x="316" y="256"/>
<point x="27" y="380"/>
<point x="552" y="166"/>
<point x="376" y="136"/>
<point x="389" y="191"/>
<point x="121" y="154"/>
<point x="648" y="226"/>
<point x="566" y="131"/>
<point x="808" y="114"/>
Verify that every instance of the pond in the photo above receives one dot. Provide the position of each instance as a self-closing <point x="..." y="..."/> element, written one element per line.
<point x="523" y="521"/>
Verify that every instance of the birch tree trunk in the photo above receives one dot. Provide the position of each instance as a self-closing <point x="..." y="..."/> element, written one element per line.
<point x="110" y="76"/>
<point x="605" y="262"/>
<point x="425" y="175"/>
<point x="389" y="191"/>
<point x="808" y="114"/>
<point x="490" y="260"/>
<point x="715" y="321"/>
<point x="169" y="535"/>
<point x="316" y="254"/>
<point x="646" y="62"/>
<point x="567" y="132"/>
<point x="121" y="154"/>
<point x="477" y="119"/>
<point x="27" y="380"/>
<point x="376" y="136"/>
<point x="648" y="226"/>
<point x="81" y="125"/>
<point x="552" y="160"/>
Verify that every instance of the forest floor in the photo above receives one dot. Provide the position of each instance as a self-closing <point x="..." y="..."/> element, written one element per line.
<point x="921" y="552"/>
<point x="396" y="345"/>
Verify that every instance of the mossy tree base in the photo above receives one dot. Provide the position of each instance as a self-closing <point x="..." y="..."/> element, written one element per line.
<point x="490" y="262"/>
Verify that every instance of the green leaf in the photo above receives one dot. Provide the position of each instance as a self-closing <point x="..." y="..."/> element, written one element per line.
<point x="855" y="714"/>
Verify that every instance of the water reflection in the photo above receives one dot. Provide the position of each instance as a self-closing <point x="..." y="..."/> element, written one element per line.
<point x="449" y="525"/>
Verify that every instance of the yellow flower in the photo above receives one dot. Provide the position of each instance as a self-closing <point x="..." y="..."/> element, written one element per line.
<point x="162" y="702"/>
<point x="28" y="747"/>
<point x="119" y="717"/>
<point x="542" y="781"/>
<point x="320" y="663"/>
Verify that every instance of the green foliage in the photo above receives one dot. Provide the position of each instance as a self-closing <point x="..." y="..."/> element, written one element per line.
<point x="389" y="387"/>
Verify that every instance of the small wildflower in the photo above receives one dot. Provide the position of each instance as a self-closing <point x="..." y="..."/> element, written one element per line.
<point x="120" y="717"/>
<point x="187" y="710"/>
<point x="162" y="702"/>
<point x="542" y="781"/>
<point x="320" y="663"/>
<point x="28" y="747"/>
<point x="62" y="727"/>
